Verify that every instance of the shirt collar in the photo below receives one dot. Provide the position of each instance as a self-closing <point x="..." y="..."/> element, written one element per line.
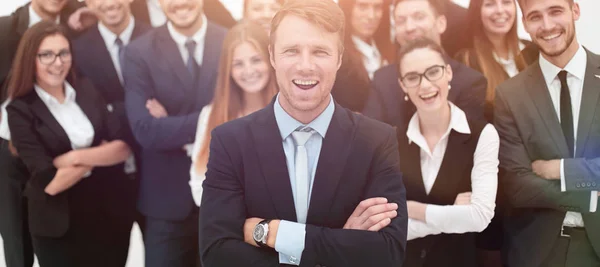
<point x="458" y="122"/>
<point x="575" y="67"/>
<point x="198" y="37"/>
<point x="365" y="48"/>
<point x="48" y="99"/>
<point x="110" y="37"/>
<point x="287" y="124"/>
<point x="35" y="18"/>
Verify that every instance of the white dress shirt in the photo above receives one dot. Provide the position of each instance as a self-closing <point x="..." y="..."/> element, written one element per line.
<point x="371" y="55"/>
<point x="456" y="219"/>
<point x="181" y="39"/>
<point x="4" y="129"/>
<point x="509" y="65"/>
<point x="69" y="115"/>
<point x="196" y="179"/>
<point x="235" y="8"/>
<point x="110" y="37"/>
<point x="157" y="15"/>
<point x="575" y="78"/>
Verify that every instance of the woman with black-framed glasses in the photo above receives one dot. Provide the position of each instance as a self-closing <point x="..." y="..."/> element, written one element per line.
<point x="72" y="147"/>
<point x="449" y="164"/>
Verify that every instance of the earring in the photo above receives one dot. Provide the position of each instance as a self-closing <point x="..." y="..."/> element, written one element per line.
<point x="449" y="87"/>
<point x="406" y="98"/>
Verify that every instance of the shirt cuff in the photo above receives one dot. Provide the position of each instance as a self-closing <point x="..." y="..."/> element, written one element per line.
<point x="290" y="242"/>
<point x="563" y="185"/>
<point x="593" y="201"/>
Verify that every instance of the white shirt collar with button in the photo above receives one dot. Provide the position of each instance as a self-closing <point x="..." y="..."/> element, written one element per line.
<point x="199" y="37"/>
<point x="371" y="55"/>
<point x="458" y="122"/>
<point x="575" y="67"/>
<point x="35" y="18"/>
<point x="50" y="100"/>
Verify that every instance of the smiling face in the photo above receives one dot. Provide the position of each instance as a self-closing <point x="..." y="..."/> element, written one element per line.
<point x="428" y="95"/>
<point x="249" y="70"/>
<point x="551" y="24"/>
<point x="184" y="14"/>
<point x="261" y="12"/>
<point x="366" y="17"/>
<point x="306" y="58"/>
<point x="112" y="13"/>
<point x="53" y="74"/>
<point x="416" y="19"/>
<point x="498" y="16"/>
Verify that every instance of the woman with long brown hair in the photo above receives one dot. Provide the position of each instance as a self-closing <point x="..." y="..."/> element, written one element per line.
<point x="73" y="149"/>
<point x="495" y="48"/>
<point x="367" y="48"/>
<point x="245" y="84"/>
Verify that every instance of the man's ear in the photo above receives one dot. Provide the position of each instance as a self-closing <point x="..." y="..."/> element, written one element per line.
<point x="441" y="24"/>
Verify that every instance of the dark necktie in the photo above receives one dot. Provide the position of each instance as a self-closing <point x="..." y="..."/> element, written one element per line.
<point x="566" y="112"/>
<point x="120" y="45"/>
<point x="191" y="64"/>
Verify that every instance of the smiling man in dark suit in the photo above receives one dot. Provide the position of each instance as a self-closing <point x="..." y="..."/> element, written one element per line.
<point x="547" y="118"/>
<point x="173" y="67"/>
<point x="387" y="102"/>
<point x="282" y="183"/>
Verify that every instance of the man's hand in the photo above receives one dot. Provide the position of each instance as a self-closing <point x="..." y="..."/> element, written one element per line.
<point x="82" y="19"/>
<point x="68" y="159"/>
<point x="547" y="169"/>
<point x="416" y="210"/>
<point x="156" y="109"/>
<point x="372" y="214"/>
<point x="251" y="223"/>
<point x="463" y="199"/>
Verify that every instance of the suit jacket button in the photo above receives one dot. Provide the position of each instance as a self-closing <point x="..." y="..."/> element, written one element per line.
<point x="593" y="183"/>
<point x="578" y="185"/>
<point x="423" y="254"/>
<point x="589" y="184"/>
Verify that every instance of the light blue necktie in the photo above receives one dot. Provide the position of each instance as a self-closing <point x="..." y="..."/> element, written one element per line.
<point x="301" y="172"/>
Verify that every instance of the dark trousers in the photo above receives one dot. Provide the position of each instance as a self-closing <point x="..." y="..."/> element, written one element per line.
<point x="573" y="251"/>
<point x="18" y="250"/>
<point x="172" y="243"/>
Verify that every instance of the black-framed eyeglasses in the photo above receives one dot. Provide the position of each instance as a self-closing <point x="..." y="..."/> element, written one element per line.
<point x="48" y="57"/>
<point x="432" y="74"/>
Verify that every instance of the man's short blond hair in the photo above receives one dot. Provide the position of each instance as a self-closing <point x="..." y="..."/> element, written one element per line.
<point x="324" y="13"/>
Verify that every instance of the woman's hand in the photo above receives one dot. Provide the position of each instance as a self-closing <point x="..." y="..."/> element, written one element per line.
<point x="66" y="178"/>
<point x="69" y="159"/>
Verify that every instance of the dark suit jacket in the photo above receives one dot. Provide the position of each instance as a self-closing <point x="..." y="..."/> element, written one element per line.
<point x="529" y="130"/>
<point x="453" y="38"/>
<point x="93" y="61"/>
<point x="213" y="9"/>
<point x="386" y="101"/>
<point x="153" y="68"/>
<point x="39" y="138"/>
<point x="248" y="177"/>
<point x="12" y="28"/>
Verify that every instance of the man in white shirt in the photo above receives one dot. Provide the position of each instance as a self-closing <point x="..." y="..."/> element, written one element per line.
<point x="13" y="174"/>
<point x="549" y="146"/>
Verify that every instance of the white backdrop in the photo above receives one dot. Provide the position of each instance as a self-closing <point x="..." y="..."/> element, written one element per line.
<point x="587" y="32"/>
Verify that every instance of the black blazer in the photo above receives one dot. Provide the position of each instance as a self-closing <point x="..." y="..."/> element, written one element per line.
<point x="386" y="100"/>
<point x="12" y="28"/>
<point x="39" y="138"/>
<point x="213" y="9"/>
<point x="248" y="177"/>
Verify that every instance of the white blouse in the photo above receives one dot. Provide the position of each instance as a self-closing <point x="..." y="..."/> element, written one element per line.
<point x="196" y="179"/>
<point x="69" y="115"/>
<point x="456" y="219"/>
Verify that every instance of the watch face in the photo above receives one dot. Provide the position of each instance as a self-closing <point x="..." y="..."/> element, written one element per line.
<point x="259" y="232"/>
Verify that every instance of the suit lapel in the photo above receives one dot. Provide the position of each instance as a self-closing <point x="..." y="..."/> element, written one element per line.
<point x="332" y="161"/>
<point x="412" y="170"/>
<point x="538" y="91"/>
<point x="103" y="57"/>
<point x="589" y="101"/>
<point x="272" y="161"/>
<point x="170" y="53"/>
<point x="210" y="58"/>
<point x="89" y="108"/>
<point x="23" y="19"/>
<point x="44" y="114"/>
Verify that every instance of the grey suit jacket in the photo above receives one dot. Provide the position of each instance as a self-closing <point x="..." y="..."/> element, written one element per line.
<point x="530" y="130"/>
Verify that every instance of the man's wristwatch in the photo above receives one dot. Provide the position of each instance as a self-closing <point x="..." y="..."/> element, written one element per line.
<point x="261" y="230"/>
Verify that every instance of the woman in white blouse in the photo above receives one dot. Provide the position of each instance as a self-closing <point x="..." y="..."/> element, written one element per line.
<point x="245" y="84"/>
<point x="449" y="164"/>
<point x="73" y="149"/>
